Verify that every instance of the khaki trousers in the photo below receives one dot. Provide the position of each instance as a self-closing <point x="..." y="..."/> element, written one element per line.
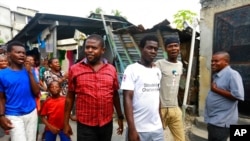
<point x="172" y="117"/>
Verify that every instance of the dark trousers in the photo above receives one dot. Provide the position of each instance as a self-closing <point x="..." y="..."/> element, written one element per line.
<point x="94" y="133"/>
<point x="216" y="133"/>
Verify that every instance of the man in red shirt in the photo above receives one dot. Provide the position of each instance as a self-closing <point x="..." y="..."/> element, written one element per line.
<point x="95" y="83"/>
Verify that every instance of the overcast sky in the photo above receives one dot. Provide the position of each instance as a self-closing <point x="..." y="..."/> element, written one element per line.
<point x="145" y="12"/>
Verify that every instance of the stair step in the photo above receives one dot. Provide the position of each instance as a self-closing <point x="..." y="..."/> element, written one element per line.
<point x="244" y="120"/>
<point x="197" y="134"/>
<point x="199" y="123"/>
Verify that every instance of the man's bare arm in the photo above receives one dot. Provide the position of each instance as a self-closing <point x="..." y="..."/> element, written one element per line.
<point x="70" y="98"/>
<point x="222" y="92"/>
<point x="2" y="103"/>
<point x="128" y="108"/>
<point x="117" y="103"/>
<point x="4" y="122"/>
<point x="34" y="86"/>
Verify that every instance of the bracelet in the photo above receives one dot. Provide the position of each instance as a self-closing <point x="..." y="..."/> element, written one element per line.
<point x="2" y="115"/>
<point x="121" y="117"/>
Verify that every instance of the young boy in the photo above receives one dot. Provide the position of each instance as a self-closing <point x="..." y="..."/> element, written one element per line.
<point x="52" y="113"/>
<point x="3" y="62"/>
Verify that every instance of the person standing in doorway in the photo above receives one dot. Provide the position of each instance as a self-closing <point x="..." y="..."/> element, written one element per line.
<point x="18" y="89"/>
<point x="171" y="70"/>
<point x="140" y="85"/>
<point x="221" y="108"/>
<point x="94" y="84"/>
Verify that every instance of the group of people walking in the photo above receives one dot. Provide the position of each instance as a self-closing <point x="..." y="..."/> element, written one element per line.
<point x="149" y="87"/>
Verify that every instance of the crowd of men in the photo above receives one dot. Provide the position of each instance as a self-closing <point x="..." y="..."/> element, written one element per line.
<point x="90" y="90"/>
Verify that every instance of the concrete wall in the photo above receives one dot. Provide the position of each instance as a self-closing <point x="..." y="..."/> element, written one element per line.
<point x="208" y="11"/>
<point x="11" y="22"/>
<point x="5" y="23"/>
<point x="27" y="11"/>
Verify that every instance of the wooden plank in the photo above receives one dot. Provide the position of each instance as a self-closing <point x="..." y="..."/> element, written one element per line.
<point x="129" y="45"/>
<point x="135" y="44"/>
<point x="161" y="43"/>
<point x="125" y="50"/>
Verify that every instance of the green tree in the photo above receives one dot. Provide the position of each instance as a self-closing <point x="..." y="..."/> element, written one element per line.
<point x="183" y="15"/>
<point x="117" y="13"/>
<point x="1" y="41"/>
<point x="98" y="10"/>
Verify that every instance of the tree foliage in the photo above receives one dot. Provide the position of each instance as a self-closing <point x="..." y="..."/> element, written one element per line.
<point x="183" y="15"/>
<point x="1" y="41"/>
<point x="98" y="10"/>
<point x="117" y="13"/>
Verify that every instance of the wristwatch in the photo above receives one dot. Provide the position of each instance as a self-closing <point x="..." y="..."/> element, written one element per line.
<point x="121" y="117"/>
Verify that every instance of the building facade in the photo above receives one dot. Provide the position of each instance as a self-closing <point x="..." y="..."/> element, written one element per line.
<point x="11" y="22"/>
<point x="225" y="25"/>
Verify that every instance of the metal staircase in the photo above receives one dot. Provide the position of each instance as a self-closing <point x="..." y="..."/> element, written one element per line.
<point x="125" y="48"/>
<point x="128" y="49"/>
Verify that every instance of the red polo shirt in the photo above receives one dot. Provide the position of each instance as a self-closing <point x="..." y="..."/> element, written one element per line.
<point x="94" y="90"/>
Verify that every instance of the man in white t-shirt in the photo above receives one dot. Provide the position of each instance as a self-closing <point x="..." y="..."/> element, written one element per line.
<point x="140" y="85"/>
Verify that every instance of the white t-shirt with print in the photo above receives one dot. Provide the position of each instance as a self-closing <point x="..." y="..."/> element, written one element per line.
<point x="145" y="82"/>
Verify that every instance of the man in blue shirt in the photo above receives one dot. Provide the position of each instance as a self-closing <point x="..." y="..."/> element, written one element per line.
<point x="18" y="90"/>
<point x="221" y="109"/>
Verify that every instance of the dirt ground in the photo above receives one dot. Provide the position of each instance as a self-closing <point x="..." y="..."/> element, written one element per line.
<point x="189" y="120"/>
<point x="168" y="136"/>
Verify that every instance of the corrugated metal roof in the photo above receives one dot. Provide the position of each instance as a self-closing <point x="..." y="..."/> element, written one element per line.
<point x="66" y="26"/>
<point x="163" y="26"/>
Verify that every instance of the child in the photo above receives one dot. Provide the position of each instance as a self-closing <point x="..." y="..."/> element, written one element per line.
<point x="3" y="61"/>
<point x="52" y="113"/>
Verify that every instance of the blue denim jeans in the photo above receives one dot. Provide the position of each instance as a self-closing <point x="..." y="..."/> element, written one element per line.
<point x="49" y="136"/>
